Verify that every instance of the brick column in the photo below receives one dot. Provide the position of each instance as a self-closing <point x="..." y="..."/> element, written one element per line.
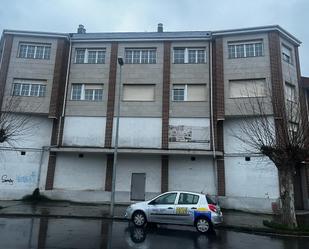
<point x="165" y="113"/>
<point x="164" y="173"/>
<point x="51" y="171"/>
<point x="219" y="110"/>
<point x="111" y="95"/>
<point x="6" y="55"/>
<point x="109" y="172"/>
<point x="277" y="86"/>
<point x="55" y="107"/>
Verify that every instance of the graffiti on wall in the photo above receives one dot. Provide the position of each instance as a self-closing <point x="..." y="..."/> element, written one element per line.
<point x="26" y="179"/>
<point x="6" y="180"/>
<point x="188" y="134"/>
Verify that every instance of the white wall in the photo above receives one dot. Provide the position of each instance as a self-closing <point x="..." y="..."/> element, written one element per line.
<point x="139" y="132"/>
<point x="19" y="173"/>
<point x="151" y="165"/>
<point x="74" y="173"/>
<point x="84" y="131"/>
<point x="201" y="124"/>
<point x="257" y="178"/>
<point x="185" y="174"/>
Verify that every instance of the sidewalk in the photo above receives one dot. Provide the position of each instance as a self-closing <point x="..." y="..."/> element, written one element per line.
<point x="236" y="220"/>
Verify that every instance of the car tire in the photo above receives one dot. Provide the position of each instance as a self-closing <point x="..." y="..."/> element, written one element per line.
<point x="203" y="225"/>
<point x="139" y="219"/>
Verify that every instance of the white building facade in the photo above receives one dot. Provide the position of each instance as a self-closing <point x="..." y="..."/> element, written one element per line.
<point x="178" y="111"/>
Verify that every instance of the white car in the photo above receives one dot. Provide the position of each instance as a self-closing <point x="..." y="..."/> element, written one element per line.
<point x="177" y="207"/>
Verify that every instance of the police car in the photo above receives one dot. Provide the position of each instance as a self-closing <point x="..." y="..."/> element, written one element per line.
<point x="177" y="207"/>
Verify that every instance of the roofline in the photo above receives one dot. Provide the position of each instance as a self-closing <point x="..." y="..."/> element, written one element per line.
<point x="258" y="30"/>
<point x="142" y="39"/>
<point x="35" y="33"/>
<point x="211" y="35"/>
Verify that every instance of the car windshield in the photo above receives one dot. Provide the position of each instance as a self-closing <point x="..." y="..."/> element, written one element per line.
<point x="210" y="200"/>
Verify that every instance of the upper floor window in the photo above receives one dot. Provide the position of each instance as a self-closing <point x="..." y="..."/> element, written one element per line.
<point x="247" y="49"/>
<point x="189" y="92"/>
<point x="90" y="92"/>
<point x="138" y="92"/>
<point x="247" y="88"/>
<point x="28" y="88"/>
<point x="140" y="56"/>
<point x="90" y="56"/>
<point x="34" y="51"/>
<point x="189" y="55"/>
<point x="290" y="92"/>
<point x="287" y="54"/>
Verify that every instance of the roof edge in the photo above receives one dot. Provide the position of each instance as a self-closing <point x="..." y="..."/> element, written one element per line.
<point x="258" y="29"/>
<point x="35" y="33"/>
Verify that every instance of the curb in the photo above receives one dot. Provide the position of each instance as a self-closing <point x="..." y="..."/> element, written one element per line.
<point x="251" y="230"/>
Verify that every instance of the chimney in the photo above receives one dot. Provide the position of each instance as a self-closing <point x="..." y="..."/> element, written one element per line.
<point x="160" y="28"/>
<point x="81" y="29"/>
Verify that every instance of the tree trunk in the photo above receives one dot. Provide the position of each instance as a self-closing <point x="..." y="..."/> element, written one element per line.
<point x="287" y="196"/>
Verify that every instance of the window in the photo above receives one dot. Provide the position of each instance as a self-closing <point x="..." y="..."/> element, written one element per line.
<point x="242" y="50"/>
<point x="188" y="199"/>
<point x="140" y="92"/>
<point x="34" y="51"/>
<point x="290" y="92"/>
<point x="189" y="55"/>
<point x="247" y="88"/>
<point x="89" y="92"/>
<point x="166" y="199"/>
<point x="89" y="56"/>
<point x="189" y="92"/>
<point x="140" y="56"/>
<point x="287" y="54"/>
<point x="28" y="88"/>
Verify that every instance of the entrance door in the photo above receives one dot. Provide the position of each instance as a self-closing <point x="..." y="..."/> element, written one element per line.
<point x="138" y="186"/>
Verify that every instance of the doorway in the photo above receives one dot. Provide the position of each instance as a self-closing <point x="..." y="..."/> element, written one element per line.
<point x="138" y="183"/>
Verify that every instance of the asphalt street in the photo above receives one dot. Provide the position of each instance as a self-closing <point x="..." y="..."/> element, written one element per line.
<point x="102" y="233"/>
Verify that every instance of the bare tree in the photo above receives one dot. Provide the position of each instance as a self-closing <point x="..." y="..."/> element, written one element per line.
<point x="284" y="140"/>
<point x="14" y="124"/>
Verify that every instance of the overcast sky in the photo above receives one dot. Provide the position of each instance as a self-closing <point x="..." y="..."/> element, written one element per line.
<point x="143" y="15"/>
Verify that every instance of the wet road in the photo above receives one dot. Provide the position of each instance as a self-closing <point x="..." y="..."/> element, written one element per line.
<point x="88" y="234"/>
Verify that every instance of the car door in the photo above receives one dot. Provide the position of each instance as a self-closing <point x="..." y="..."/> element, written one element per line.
<point x="162" y="209"/>
<point x="186" y="205"/>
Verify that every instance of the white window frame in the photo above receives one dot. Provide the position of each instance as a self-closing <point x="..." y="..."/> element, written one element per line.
<point x="30" y="83"/>
<point x="36" y="45"/>
<point x="140" y="50"/>
<point x="290" y="86"/>
<point x="86" y="54"/>
<point x="245" y="44"/>
<point x="186" y="55"/>
<point x="284" y="55"/>
<point x="82" y="95"/>
<point x="185" y="87"/>
<point x="247" y="81"/>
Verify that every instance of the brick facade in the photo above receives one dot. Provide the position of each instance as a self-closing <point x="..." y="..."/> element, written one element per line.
<point x="111" y="95"/>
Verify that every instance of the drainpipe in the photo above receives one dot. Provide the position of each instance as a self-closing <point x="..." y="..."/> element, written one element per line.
<point x="65" y="91"/>
<point x="212" y="119"/>
<point x="44" y="148"/>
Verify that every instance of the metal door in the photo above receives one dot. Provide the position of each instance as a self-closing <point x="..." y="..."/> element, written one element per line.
<point x="138" y="186"/>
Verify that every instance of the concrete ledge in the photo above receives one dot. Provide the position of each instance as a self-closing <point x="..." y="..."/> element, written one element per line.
<point x="137" y="151"/>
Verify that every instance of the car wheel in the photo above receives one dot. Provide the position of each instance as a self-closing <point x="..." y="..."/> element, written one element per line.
<point x="203" y="225"/>
<point x="139" y="219"/>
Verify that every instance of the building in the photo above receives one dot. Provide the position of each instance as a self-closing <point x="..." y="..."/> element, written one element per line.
<point x="179" y="97"/>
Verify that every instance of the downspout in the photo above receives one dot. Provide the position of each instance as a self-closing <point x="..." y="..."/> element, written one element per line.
<point x="65" y="92"/>
<point x="212" y="119"/>
<point x="44" y="148"/>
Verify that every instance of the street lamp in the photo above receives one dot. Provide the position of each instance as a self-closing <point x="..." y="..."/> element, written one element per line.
<point x="120" y="62"/>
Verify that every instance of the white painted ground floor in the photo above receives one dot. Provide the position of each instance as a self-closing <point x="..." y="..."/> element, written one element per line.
<point x="249" y="185"/>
